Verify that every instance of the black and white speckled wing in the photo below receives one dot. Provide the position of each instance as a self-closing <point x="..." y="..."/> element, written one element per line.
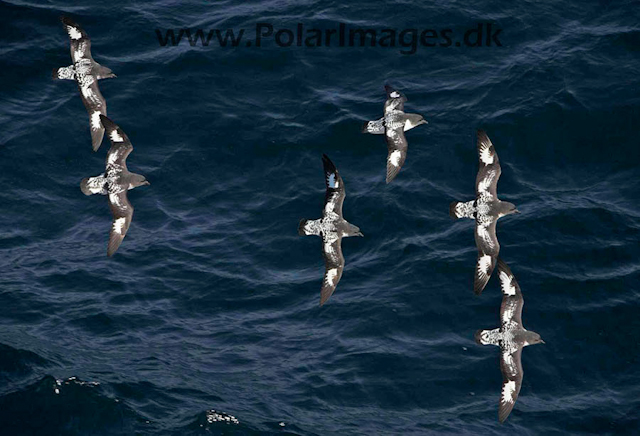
<point x="374" y="127"/>
<point x="511" y="367"/>
<point x="94" y="185"/>
<point x="120" y="145"/>
<point x="397" y="151"/>
<point x="512" y="301"/>
<point x="395" y="100"/>
<point x="122" y="212"/>
<point x="333" y="264"/>
<point x="334" y="197"/>
<point x="65" y="73"/>
<point x="488" y="250"/>
<point x="489" y="170"/>
<point x="79" y="40"/>
<point x="83" y="65"/>
<point x="96" y="106"/>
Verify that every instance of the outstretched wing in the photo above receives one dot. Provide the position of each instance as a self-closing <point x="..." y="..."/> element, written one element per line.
<point x="122" y="212"/>
<point x="83" y="63"/>
<point x="96" y="106"/>
<point x="488" y="250"/>
<point x="512" y="301"/>
<point x="335" y="188"/>
<point x="397" y="151"/>
<point x="120" y="145"/>
<point x="333" y="264"/>
<point x="80" y="42"/>
<point x="395" y="100"/>
<point x="511" y="367"/>
<point x="489" y="169"/>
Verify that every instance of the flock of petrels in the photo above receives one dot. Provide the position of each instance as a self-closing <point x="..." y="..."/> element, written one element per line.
<point x="485" y="209"/>
<point x="116" y="180"/>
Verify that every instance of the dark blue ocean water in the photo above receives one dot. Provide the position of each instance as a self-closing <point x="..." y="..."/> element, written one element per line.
<point x="211" y="303"/>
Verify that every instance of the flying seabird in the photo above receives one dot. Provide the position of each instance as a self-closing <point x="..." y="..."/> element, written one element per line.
<point x="332" y="227"/>
<point x="86" y="72"/>
<point x="511" y="337"/>
<point x="115" y="182"/>
<point x="393" y="125"/>
<point x="485" y="209"/>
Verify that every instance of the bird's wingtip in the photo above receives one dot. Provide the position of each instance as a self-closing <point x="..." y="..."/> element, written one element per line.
<point x="67" y="21"/>
<point x="328" y="164"/>
<point x="481" y="135"/>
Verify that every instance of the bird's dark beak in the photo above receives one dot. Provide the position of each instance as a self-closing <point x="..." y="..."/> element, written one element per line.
<point x="146" y="183"/>
<point x="542" y="342"/>
<point x="424" y="121"/>
<point x="516" y="211"/>
<point x="360" y="234"/>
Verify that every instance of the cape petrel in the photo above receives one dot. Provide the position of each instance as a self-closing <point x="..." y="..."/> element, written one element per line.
<point x="86" y="72"/>
<point x="393" y="125"/>
<point x="332" y="227"/>
<point x="115" y="182"/>
<point x="485" y="209"/>
<point x="511" y="337"/>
